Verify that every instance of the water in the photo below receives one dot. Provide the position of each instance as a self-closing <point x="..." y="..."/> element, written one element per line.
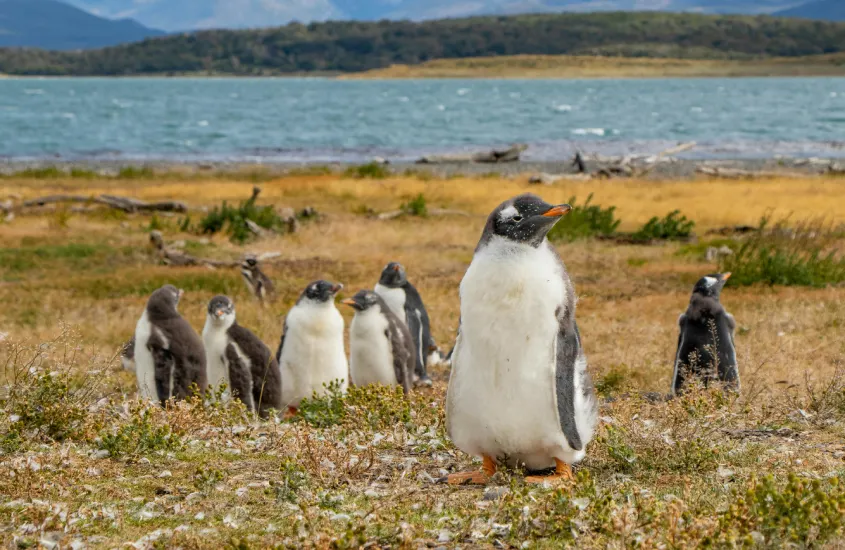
<point x="319" y="120"/>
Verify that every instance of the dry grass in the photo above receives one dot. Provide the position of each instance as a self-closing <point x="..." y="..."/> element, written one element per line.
<point x="580" y="66"/>
<point x="93" y="272"/>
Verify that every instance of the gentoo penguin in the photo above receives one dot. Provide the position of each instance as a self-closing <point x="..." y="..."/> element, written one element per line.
<point x="402" y="297"/>
<point x="127" y="355"/>
<point x="169" y="355"/>
<point x="706" y="328"/>
<point x="380" y="346"/>
<point x="236" y="357"/>
<point x="519" y="391"/>
<point x="311" y="354"/>
<point x="259" y="284"/>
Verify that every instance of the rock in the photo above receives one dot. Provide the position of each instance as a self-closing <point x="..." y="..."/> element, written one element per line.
<point x="714" y="254"/>
<point x="495" y="493"/>
<point x="381" y="160"/>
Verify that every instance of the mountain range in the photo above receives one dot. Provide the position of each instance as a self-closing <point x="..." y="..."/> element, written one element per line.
<point x="178" y="15"/>
<point x="85" y="24"/>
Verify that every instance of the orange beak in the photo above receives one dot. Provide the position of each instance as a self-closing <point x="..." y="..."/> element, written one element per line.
<point x="348" y="302"/>
<point x="397" y="267"/>
<point x="726" y="276"/>
<point x="219" y="313"/>
<point x="557" y="211"/>
<point x="337" y="288"/>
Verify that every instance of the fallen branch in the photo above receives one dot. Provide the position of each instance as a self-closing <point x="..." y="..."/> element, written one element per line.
<point x="393" y="214"/>
<point x="495" y="156"/>
<point x="126" y="204"/>
<point x="735" y="173"/>
<point x="169" y="256"/>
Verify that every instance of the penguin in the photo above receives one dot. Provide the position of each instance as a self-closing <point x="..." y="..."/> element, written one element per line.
<point x="402" y="297"/>
<point x="706" y="328"/>
<point x="519" y="391"/>
<point x="237" y="357"/>
<point x="259" y="284"/>
<point x="311" y="353"/>
<point x="380" y="347"/>
<point x="127" y="355"/>
<point x="169" y="355"/>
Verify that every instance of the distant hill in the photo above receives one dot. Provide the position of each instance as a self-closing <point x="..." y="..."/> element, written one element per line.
<point x="53" y="25"/>
<point x="833" y="10"/>
<point x="357" y="46"/>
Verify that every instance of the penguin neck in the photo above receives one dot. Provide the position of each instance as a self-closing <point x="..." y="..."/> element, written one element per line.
<point x="221" y="325"/>
<point x="506" y="248"/>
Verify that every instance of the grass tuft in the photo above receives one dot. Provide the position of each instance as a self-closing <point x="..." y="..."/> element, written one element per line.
<point x="673" y="226"/>
<point x="371" y="170"/>
<point x="585" y="221"/>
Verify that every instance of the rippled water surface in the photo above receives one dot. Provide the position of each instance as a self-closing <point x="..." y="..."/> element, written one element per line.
<point x="321" y="120"/>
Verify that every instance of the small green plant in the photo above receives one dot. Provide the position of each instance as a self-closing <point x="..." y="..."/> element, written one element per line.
<point x="673" y="226"/>
<point x="380" y="406"/>
<point x="185" y="224"/>
<point x="585" y="221"/>
<point x="60" y="219"/>
<point x="235" y="220"/>
<point x="47" y="406"/>
<point x="803" y="255"/>
<point x="612" y="382"/>
<point x="155" y="224"/>
<point x="293" y="479"/>
<point x="141" y="436"/>
<point x="622" y="454"/>
<point x="206" y="479"/>
<point x="416" y="206"/>
<point x="371" y="170"/>
<point x="323" y="411"/>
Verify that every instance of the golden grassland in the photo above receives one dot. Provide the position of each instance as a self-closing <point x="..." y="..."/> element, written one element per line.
<point x="658" y="475"/>
<point x="584" y="66"/>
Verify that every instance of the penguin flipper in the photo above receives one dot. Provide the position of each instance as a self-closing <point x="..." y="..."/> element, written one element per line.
<point x="282" y="343"/>
<point x="416" y="330"/>
<point x="403" y="356"/>
<point x="568" y="349"/>
<point x="240" y="378"/>
<point x="678" y="375"/>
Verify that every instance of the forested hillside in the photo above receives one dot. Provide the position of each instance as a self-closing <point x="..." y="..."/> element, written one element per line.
<point x="358" y="46"/>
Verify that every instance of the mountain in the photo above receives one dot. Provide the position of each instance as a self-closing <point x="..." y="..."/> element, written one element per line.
<point x="358" y="46"/>
<point x="55" y="25"/>
<point x="833" y="10"/>
<point x="179" y="15"/>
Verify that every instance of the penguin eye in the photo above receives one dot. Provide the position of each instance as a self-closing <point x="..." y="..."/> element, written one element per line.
<point x="517" y="218"/>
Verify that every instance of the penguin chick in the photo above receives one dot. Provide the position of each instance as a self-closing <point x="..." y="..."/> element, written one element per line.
<point x="169" y="355"/>
<point x="405" y="301"/>
<point x="311" y="353"/>
<point x="259" y="284"/>
<point x="706" y="349"/>
<point x="380" y="346"/>
<point x="238" y="358"/>
<point x="519" y="390"/>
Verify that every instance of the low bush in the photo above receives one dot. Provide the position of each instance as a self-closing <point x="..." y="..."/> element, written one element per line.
<point x="379" y="407"/>
<point x="371" y="170"/>
<point x="673" y="226"/>
<point x="776" y="254"/>
<point x="584" y="221"/>
<point x="417" y="206"/>
<point x="234" y="220"/>
<point x="142" y="435"/>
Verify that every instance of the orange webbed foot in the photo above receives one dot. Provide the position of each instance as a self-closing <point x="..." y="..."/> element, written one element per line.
<point x="488" y="469"/>
<point x="563" y="474"/>
<point x="290" y="413"/>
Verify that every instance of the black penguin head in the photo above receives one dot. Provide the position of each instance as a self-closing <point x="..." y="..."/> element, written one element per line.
<point x="525" y="219"/>
<point x="221" y="310"/>
<point x="393" y="275"/>
<point x="322" y="291"/>
<point x="710" y="286"/>
<point x="363" y="300"/>
<point x="162" y="303"/>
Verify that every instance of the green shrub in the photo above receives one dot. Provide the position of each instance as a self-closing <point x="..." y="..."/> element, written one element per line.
<point x="371" y="170"/>
<point x="141" y="436"/>
<point x="135" y="173"/>
<point x="672" y="226"/>
<point x="805" y="255"/>
<point x="234" y="220"/>
<point x="416" y="206"/>
<point x="377" y="406"/>
<point x="585" y="221"/>
<point x="293" y="479"/>
<point x="326" y="410"/>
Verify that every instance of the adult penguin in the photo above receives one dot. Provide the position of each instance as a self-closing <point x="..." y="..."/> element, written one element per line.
<point x="380" y="346"/>
<point x="519" y="391"/>
<point x="238" y="358"/>
<point x="706" y="349"/>
<point x="169" y="355"/>
<point x="404" y="300"/>
<point x="311" y="353"/>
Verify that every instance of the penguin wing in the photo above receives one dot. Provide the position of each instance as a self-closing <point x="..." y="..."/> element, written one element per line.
<point x="415" y="329"/>
<point x="282" y="342"/>
<point x="677" y="375"/>
<point x="403" y="352"/>
<point x="164" y="364"/>
<point x="568" y="351"/>
<point x="239" y="377"/>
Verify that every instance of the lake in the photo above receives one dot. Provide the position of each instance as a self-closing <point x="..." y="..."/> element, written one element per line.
<point x="321" y="120"/>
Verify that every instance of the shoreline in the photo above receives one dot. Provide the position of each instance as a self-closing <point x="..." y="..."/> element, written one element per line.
<point x="665" y="168"/>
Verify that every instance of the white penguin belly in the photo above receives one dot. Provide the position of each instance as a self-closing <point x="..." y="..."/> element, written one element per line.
<point x="144" y="364"/>
<point x="370" y="353"/>
<point x="313" y="355"/>
<point x="395" y="300"/>
<point x="502" y="392"/>
<point x="217" y="365"/>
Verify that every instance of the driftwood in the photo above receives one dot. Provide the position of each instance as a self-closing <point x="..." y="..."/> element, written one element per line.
<point x="495" y="156"/>
<point x="170" y="256"/>
<point x="735" y="173"/>
<point x="121" y="203"/>
<point x="551" y="179"/>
